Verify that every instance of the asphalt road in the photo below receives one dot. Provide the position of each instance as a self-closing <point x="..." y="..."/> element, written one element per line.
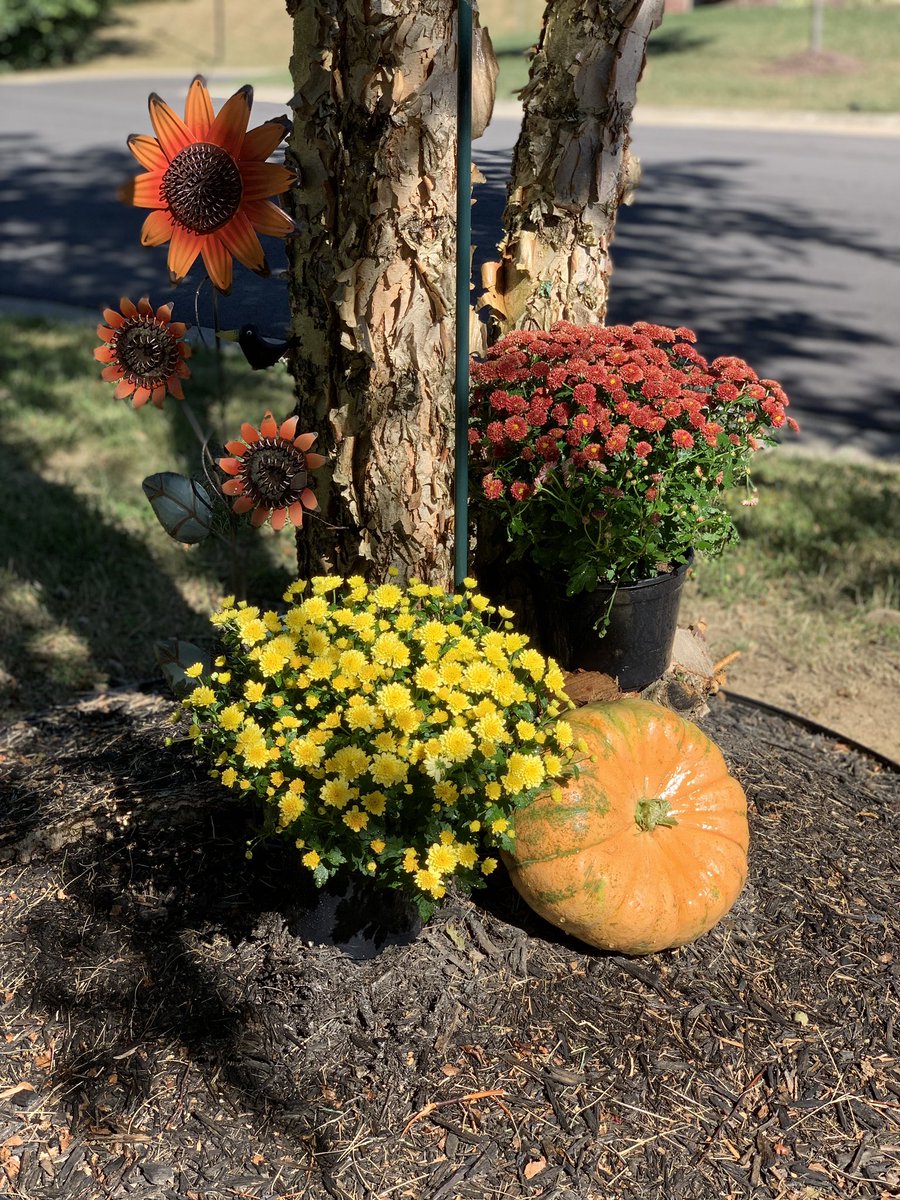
<point x="780" y="246"/>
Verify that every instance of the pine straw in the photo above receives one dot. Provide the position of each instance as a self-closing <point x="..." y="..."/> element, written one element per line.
<point x="169" y="1035"/>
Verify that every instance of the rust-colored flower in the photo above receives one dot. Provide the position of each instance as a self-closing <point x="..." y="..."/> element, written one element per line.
<point x="270" y="472"/>
<point x="208" y="182"/>
<point x="143" y="352"/>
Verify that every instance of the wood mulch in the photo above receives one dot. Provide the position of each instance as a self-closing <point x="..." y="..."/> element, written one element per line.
<point x="168" y="1034"/>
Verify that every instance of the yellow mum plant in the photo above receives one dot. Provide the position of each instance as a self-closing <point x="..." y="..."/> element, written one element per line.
<point x="390" y="730"/>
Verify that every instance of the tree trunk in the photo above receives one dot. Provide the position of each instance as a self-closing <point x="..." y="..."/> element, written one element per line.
<point x="372" y="277"/>
<point x="572" y="166"/>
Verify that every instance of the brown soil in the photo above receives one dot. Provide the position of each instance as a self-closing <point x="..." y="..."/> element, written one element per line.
<point x="171" y="1035"/>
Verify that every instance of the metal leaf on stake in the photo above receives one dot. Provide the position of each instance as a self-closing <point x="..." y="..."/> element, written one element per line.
<point x="182" y="506"/>
<point x="174" y="656"/>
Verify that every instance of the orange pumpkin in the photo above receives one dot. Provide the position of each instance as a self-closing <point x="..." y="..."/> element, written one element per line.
<point x="647" y="847"/>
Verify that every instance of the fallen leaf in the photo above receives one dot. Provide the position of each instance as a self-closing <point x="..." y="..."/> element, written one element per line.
<point x="534" y="1167"/>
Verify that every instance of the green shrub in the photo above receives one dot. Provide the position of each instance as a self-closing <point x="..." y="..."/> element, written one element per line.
<point x="45" y="33"/>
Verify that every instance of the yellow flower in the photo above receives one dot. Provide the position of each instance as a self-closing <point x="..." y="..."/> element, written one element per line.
<point x="362" y="716"/>
<point x="525" y="730"/>
<point x="500" y="825"/>
<point x="315" y="609"/>
<point x="552" y="764"/>
<point x="387" y="770"/>
<point x="493" y="791"/>
<point x="348" y="762"/>
<point x="356" y="820"/>
<point x="508" y="690"/>
<point x="320" y="668"/>
<point x="194" y="671"/>
<point x="385" y="742"/>
<point x="410" y="860"/>
<point x="446" y="791"/>
<point x="351" y="662"/>
<point x="407" y="720"/>
<point x="562" y="732"/>
<point x="470" y="582"/>
<point x="432" y="633"/>
<point x="306" y="753"/>
<point x="479" y="677"/>
<point x="457" y="744"/>
<point x="457" y="702"/>
<point x="488" y="866"/>
<point x="229" y="776"/>
<point x="479" y="603"/>
<point x="466" y="855"/>
<point x="441" y="859"/>
<point x="326" y="583"/>
<point x="374" y="802"/>
<point x="491" y="727"/>
<point x="428" y="678"/>
<point x="389" y="650"/>
<point x="311" y="860"/>
<point x="427" y="881"/>
<point x="336" y="793"/>
<point x="378" y="845"/>
<point x="387" y="596"/>
<point x="451" y="672"/>
<point x="474" y="826"/>
<point x="252" y="632"/>
<point x="290" y="806"/>
<point x="272" y="621"/>
<point x="393" y="698"/>
<point x="257" y="755"/>
<point x="202" y="697"/>
<point x="254" y="691"/>
<point x="273" y="657"/>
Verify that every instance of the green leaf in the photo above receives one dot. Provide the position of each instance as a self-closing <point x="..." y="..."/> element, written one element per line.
<point x="174" y="657"/>
<point x="182" y="506"/>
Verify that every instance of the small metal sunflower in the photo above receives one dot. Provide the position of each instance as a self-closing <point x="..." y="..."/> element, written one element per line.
<point x="143" y="352"/>
<point x="270" y="472"/>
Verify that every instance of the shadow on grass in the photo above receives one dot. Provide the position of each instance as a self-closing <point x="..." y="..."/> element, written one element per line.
<point x="83" y="600"/>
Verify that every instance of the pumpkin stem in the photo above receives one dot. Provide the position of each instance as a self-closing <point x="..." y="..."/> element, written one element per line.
<point x="652" y="811"/>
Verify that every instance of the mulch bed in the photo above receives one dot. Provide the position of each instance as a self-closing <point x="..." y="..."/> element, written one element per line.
<point x="168" y="1033"/>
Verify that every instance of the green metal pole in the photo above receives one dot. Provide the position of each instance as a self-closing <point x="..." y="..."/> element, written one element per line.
<point x="463" y="283"/>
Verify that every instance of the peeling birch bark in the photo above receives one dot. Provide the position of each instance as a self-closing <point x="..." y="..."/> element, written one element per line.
<point x="372" y="274"/>
<point x="572" y="165"/>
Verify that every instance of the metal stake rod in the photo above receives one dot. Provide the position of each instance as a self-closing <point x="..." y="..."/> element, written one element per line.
<point x="463" y="282"/>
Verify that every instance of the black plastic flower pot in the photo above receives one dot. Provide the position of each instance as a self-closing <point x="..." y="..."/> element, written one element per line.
<point x="641" y="621"/>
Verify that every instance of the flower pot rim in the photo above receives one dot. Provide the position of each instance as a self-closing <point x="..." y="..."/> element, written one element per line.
<point x="653" y="580"/>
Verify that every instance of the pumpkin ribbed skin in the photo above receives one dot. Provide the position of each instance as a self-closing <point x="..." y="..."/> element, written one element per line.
<point x="585" y="863"/>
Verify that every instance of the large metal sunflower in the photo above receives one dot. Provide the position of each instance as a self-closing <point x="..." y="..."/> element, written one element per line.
<point x="208" y="182"/>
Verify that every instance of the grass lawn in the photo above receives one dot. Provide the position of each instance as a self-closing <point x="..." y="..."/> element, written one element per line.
<point x="89" y="580"/>
<point x="752" y="58"/>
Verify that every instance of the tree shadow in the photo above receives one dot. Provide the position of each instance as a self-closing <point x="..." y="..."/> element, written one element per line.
<point x="101" y="589"/>
<point x="668" y="40"/>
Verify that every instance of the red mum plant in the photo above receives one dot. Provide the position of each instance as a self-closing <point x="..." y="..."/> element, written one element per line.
<point x="269" y="472"/>
<point x="143" y="352"/>
<point x="208" y="183"/>
<point x="606" y="452"/>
